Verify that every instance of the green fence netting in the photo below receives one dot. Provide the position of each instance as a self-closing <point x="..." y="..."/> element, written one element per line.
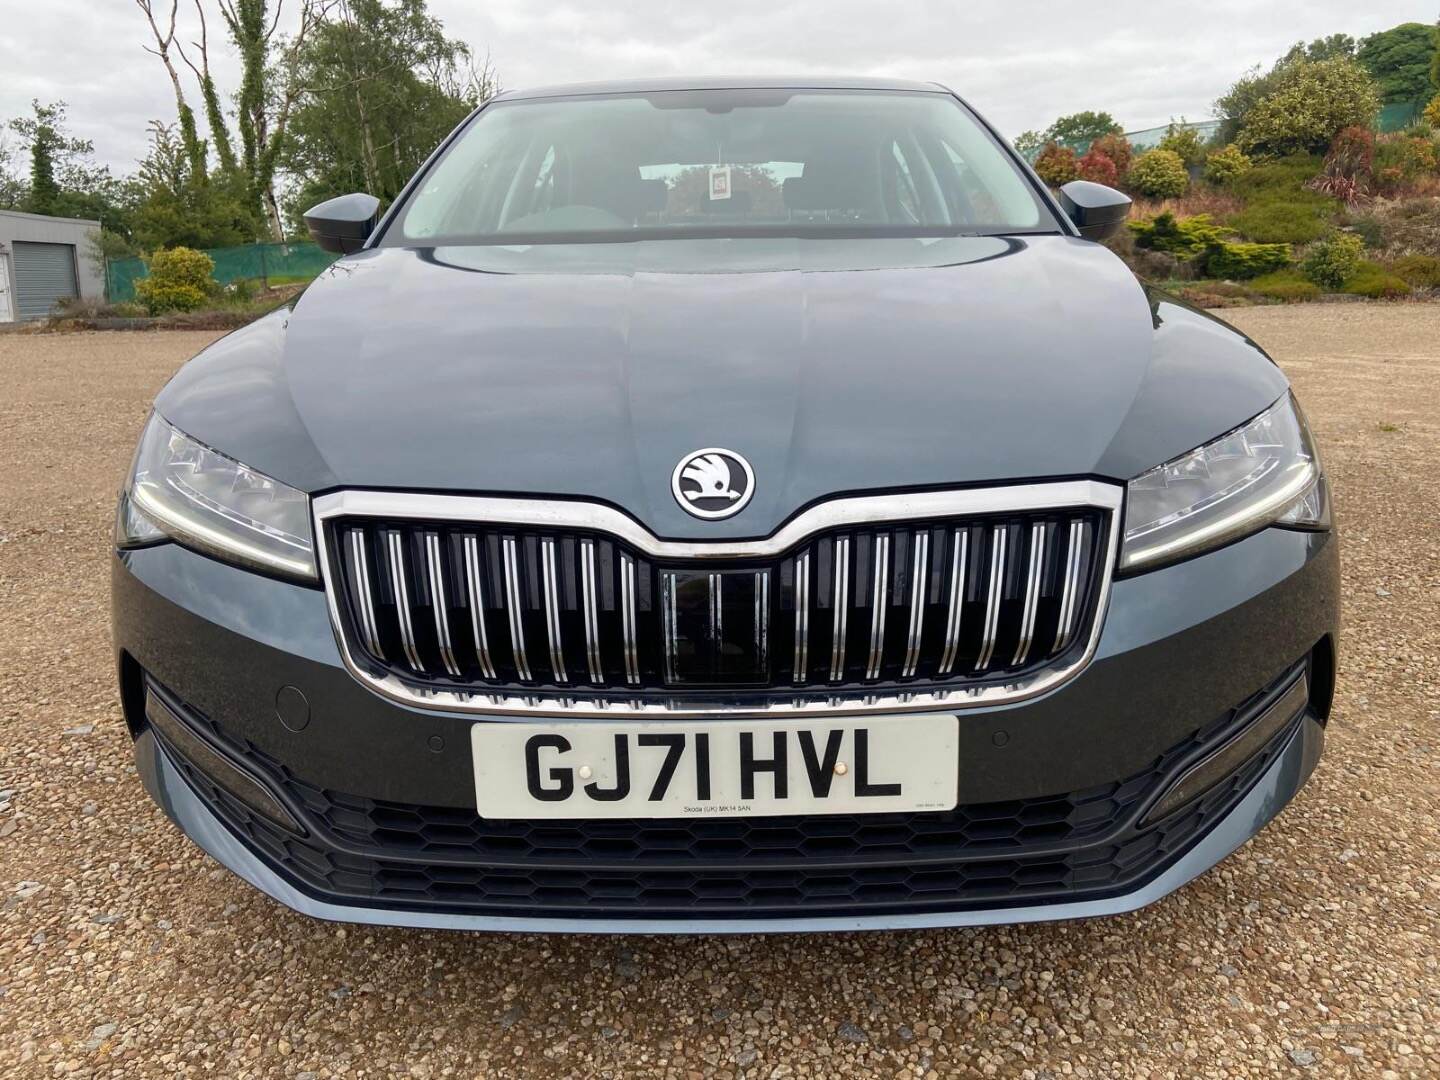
<point x="1395" y="117"/>
<point x="270" y="264"/>
<point x="1399" y="116"/>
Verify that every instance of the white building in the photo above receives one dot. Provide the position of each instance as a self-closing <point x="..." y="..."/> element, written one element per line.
<point x="44" y="260"/>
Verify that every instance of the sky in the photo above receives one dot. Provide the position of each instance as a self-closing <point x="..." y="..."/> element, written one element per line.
<point x="1020" y="63"/>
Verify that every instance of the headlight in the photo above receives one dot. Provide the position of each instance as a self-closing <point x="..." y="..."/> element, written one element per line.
<point x="1263" y="473"/>
<point x="183" y="490"/>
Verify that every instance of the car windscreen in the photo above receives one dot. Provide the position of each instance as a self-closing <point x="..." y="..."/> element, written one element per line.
<point x="720" y="164"/>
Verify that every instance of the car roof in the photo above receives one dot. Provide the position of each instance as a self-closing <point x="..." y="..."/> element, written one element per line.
<point x="645" y="86"/>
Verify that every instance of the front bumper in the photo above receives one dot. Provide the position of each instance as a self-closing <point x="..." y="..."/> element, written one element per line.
<point x="1181" y="649"/>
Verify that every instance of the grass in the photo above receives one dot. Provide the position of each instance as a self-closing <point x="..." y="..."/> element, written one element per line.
<point x="1277" y="222"/>
<point x="1198" y="200"/>
<point x="1374" y="282"/>
<point x="1288" y="285"/>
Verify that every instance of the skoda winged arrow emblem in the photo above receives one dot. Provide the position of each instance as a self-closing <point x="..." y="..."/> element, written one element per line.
<point x="713" y="483"/>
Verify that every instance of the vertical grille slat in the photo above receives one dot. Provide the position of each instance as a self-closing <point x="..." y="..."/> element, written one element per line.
<point x="400" y="592"/>
<point x="513" y="609"/>
<point x="917" y="603"/>
<point x="365" y="597"/>
<point x="950" y="601"/>
<point x="879" y="603"/>
<point x="995" y="593"/>
<point x="802" y="618"/>
<point x="439" y="603"/>
<point x="591" y="612"/>
<point x="475" y="595"/>
<point x="551" y="592"/>
<point x="1032" y="594"/>
<point x="1069" y="596"/>
<point x="670" y="617"/>
<point x="960" y="543"/>
<point x="627" y="620"/>
<point x="840" y="601"/>
<point x="762" y="618"/>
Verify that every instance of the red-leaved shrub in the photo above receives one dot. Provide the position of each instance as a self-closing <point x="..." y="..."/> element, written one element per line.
<point x="1118" y="149"/>
<point x="1098" y="168"/>
<point x="1055" y="164"/>
<point x="1349" y="166"/>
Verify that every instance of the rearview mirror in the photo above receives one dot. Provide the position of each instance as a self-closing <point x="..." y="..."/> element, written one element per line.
<point x="341" y="224"/>
<point x="1097" y="211"/>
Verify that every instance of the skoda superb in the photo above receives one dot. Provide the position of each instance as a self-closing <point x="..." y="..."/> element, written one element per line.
<point x="718" y="507"/>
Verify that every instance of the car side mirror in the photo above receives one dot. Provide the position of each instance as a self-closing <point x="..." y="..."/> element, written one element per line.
<point x="1097" y="211"/>
<point x="341" y="224"/>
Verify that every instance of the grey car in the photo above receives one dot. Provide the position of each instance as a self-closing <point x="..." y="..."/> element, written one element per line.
<point x="732" y="505"/>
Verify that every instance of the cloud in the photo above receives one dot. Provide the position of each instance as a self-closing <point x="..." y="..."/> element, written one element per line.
<point x="1020" y="63"/>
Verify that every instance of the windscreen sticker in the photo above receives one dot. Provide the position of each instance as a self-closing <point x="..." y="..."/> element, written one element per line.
<point x="719" y="182"/>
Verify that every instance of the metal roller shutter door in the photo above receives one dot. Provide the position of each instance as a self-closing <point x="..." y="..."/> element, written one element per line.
<point x="44" y="274"/>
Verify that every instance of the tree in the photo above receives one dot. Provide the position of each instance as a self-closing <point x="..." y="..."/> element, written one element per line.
<point x="1335" y="46"/>
<point x="1080" y="129"/>
<point x="379" y="85"/>
<point x="177" y="208"/>
<point x="51" y="151"/>
<point x="164" y="43"/>
<point x="1435" y="61"/>
<point x="1400" y="60"/>
<point x="1255" y="85"/>
<point x="62" y="180"/>
<point x="1029" y="143"/>
<point x="13" y="187"/>
<point x="1308" y="103"/>
<point x="267" y="91"/>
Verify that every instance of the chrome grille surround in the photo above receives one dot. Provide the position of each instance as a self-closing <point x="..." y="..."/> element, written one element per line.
<point x="778" y="701"/>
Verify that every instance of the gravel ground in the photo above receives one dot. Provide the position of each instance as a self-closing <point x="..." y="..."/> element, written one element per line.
<point x="1313" y="951"/>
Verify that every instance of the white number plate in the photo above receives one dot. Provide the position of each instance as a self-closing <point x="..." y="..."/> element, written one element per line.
<point x="648" y="769"/>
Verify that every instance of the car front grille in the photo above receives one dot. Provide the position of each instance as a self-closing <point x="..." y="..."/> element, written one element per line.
<point x="947" y="602"/>
<point x="1053" y="848"/>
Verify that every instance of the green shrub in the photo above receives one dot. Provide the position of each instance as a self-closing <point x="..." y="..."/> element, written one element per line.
<point x="1223" y="166"/>
<point x="1160" y="174"/>
<point x="1289" y="285"/>
<point x="1334" y="261"/>
<point x="1376" y="283"/>
<point x="1368" y="227"/>
<point x="128" y="310"/>
<point x="180" y="279"/>
<point x="1422" y="271"/>
<point x="1056" y="165"/>
<point x="1183" y="238"/>
<point x="1276" y="222"/>
<point x="1239" y="262"/>
<point x="1184" y="141"/>
<point x="1308" y="103"/>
